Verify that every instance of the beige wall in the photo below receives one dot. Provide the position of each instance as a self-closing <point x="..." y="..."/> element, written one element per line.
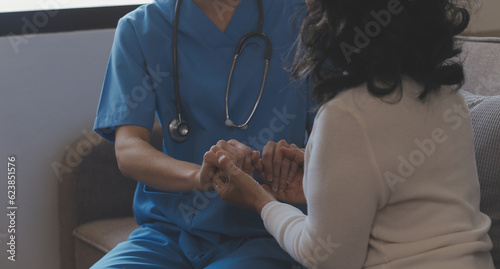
<point x="49" y="90"/>
<point x="485" y="19"/>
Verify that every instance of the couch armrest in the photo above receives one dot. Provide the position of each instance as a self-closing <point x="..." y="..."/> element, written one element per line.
<point x="94" y="189"/>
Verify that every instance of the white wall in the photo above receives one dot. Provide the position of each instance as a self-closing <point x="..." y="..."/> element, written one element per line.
<point x="49" y="91"/>
<point x="486" y="19"/>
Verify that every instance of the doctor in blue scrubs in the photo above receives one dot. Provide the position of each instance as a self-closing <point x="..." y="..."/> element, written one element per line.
<point x="183" y="222"/>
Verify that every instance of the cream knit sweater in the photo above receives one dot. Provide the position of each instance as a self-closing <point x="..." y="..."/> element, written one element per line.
<point x="388" y="185"/>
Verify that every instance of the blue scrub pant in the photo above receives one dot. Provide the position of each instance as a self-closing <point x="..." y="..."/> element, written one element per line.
<point x="160" y="246"/>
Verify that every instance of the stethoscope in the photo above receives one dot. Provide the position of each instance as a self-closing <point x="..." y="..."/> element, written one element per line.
<point x="179" y="128"/>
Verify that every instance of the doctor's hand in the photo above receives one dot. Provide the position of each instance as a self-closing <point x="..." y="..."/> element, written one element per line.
<point x="294" y="193"/>
<point x="208" y="172"/>
<point x="274" y="169"/>
<point x="242" y="155"/>
<point x="240" y="188"/>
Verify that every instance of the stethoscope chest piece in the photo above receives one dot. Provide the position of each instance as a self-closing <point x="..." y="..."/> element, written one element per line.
<point x="178" y="130"/>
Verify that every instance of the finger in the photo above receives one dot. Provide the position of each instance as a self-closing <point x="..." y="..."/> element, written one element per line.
<point x="219" y="179"/>
<point x="288" y="153"/>
<point x="294" y="154"/>
<point x="209" y="168"/>
<point x="247" y="155"/>
<point x="221" y="175"/>
<point x="254" y="161"/>
<point x="285" y="167"/>
<point x="260" y="171"/>
<point x="294" y="168"/>
<point x="267" y="160"/>
<point x="278" y="159"/>
<point x="228" y="166"/>
<point x="255" y="158"/>
<point x="259" y="166"/>
<point x="277" y="163"/>
<point x="209" y="158"/>
<point x="280" y="195"/>
<point x="217" y="182"/>
<point x="267" y="188"/>
<point x="217" y="148"/>
<point x="214" y="149"/>
<point x="221" y="183"/>
<point x="232" y="151"/>
<point x="222" y="189"/>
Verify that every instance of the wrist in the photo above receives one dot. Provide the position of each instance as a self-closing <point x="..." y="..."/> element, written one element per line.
<point x="195" y="179"/>
<point x="262" y="199"/>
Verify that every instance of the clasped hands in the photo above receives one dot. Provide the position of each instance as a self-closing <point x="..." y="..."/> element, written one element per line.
<point x="229" y="166"/>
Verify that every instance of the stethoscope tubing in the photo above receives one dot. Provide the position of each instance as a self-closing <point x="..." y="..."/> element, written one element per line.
<point x="175" y="59"/>
<point x="178" y="121"/>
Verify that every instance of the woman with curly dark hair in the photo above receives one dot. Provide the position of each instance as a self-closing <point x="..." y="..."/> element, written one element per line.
<point x="389" y="176"/>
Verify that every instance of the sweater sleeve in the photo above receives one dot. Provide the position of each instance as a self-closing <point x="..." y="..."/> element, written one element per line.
<point x="343" y="189"/>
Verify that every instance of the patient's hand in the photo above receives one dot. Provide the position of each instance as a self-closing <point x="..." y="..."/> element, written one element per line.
<point x="276" y="170"/>
<point x="240" y="188"/>
<point x="294" y="193"/>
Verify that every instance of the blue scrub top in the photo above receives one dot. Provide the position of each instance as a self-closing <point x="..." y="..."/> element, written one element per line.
<point x="139" y="83"/>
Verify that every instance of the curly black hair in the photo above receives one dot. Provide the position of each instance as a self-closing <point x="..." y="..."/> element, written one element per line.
<point x="345" y="43"/>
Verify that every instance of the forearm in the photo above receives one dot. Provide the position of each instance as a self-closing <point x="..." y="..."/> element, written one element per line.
<point x="287" y="224"/>
<point x="139" y="160"/>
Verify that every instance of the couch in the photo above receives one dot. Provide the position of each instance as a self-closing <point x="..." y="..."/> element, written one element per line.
<point x="95" y="200"/>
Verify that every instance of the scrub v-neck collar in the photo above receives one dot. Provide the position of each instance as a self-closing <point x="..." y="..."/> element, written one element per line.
<point x="244" y="20"/>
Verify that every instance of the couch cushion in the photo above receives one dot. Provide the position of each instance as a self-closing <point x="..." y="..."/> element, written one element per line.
<point x="105" y="234"/>
<point x="481" y="57"/>
<point x="485" y="117"/>
<point x="86" y="255"/>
